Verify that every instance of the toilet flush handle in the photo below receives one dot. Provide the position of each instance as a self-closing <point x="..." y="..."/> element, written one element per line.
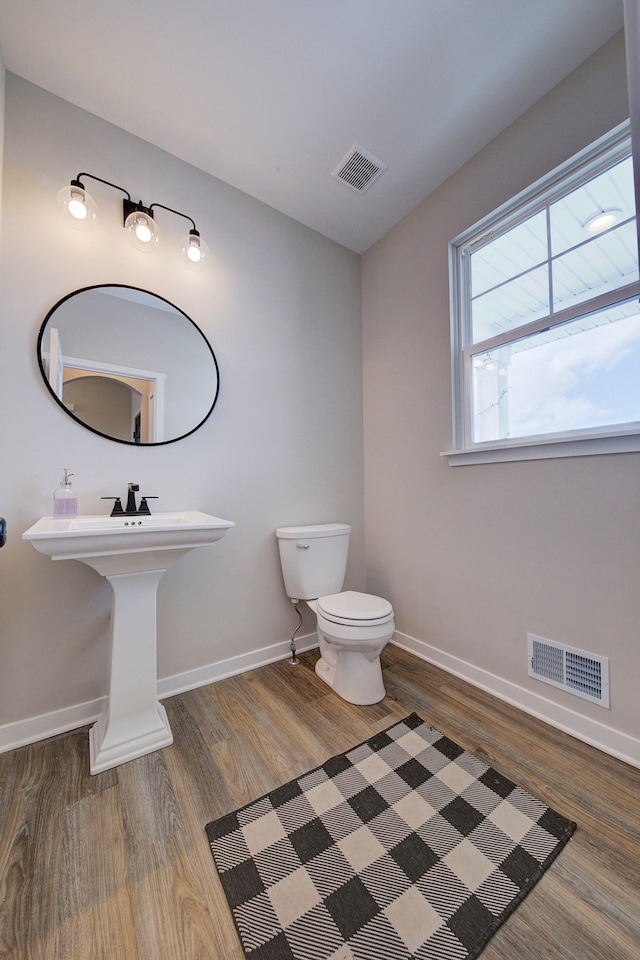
<point x="302" y="546"/>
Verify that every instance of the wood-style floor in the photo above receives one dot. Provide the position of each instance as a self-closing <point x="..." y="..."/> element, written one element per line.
<point x="117" y="866"/>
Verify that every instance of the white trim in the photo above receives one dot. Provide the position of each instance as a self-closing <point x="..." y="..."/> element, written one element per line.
<point x="155" y="411"/>
<point x="599" y="735"/>
<point x="46" y="725"/>
<point x="546" y="449"/>
<point x="114" y="370"/>
<point x="611" y="741"/>
<point x="581" y="168"/>
<point x="588" y="162"/>
<point x="612" y="298"/>
<point x="201" y="676"/>
<point x="56" y="363"/>
<point x="632" y="39"/>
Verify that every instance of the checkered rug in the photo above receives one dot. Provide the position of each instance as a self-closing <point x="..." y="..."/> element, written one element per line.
<point x="403" y="848"/>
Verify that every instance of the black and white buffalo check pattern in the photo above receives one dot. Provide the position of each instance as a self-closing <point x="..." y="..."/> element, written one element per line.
<point x="404" y="847"/>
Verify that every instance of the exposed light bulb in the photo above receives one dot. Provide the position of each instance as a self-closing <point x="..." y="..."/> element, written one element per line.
<point x="193" y="251"/>
<point x="76" y="206"/>
<point x="143" y="232"/>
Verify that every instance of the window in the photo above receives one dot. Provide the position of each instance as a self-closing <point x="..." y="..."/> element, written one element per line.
<point x="546" y="318"/>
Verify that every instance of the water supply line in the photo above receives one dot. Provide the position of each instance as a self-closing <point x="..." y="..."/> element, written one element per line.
<point x="292" y="646"/>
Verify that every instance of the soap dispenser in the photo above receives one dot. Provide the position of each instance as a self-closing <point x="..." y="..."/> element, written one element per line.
<point x="65" y="502"/>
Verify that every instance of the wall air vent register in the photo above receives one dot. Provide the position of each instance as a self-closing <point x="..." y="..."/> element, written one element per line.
<point x="583" y="674"/>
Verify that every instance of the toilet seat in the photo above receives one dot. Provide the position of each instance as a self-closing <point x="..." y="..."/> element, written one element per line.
<point x="355" y="609"/>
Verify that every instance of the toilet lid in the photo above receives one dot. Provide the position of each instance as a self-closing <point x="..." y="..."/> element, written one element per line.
<point x="354" y="606"/>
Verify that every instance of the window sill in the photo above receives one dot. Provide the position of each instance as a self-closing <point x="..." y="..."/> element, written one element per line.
<point x="545" y="449"/>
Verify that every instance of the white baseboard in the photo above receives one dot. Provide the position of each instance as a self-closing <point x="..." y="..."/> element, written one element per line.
<point x="597" y="734"/>
<point x="201" y="676"/>
<point x="46" y="725"/>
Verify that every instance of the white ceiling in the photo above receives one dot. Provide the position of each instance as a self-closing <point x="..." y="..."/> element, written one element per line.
<point x="268" y="95"/>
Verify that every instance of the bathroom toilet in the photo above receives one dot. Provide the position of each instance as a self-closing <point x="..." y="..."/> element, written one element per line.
<point x="353" y="628"/>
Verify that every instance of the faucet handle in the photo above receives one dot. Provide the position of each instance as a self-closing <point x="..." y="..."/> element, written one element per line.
<point x="144" y="506"/>
<point x="117" y="507"/>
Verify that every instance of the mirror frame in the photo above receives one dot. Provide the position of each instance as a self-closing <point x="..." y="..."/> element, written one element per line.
<point x="123" y="286"/>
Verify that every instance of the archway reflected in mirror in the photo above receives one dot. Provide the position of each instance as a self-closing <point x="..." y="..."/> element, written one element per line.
<point x="128" y="365"/>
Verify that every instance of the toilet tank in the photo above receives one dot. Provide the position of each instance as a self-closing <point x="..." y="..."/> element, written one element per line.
<point x="313" y="559"/>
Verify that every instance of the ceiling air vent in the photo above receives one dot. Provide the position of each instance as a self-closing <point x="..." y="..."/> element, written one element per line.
<point x="359" y="168"/>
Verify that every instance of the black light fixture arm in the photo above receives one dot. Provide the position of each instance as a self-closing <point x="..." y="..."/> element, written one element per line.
<point x="78" y="183"/>
<point x="177" y="212"/>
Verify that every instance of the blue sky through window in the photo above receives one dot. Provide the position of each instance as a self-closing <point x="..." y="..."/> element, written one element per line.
<point x="588" y="379"/>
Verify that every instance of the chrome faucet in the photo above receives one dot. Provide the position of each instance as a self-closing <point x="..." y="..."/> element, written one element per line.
<point x="131" y="509"/>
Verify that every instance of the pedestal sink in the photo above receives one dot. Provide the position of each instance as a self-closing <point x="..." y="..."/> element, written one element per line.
<point x="132" y="553"/>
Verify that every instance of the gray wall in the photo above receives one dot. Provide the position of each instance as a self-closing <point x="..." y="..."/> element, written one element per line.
<point x="281" y="307"/>
<point x="475" y="557"/>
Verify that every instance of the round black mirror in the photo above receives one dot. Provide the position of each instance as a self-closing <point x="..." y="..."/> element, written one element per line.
<point x="128" y="364"/>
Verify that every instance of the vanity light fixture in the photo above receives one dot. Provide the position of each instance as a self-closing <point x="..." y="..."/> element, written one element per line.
<point x="79" y="211"/>
<point x="602" y="221"/>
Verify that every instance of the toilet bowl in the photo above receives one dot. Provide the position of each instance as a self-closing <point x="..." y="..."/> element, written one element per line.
<point x="353" y="628"/>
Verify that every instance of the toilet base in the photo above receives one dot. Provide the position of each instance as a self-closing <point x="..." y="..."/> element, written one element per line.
<point x="353" y="677"/>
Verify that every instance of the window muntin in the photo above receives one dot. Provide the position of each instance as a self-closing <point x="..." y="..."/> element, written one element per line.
<point x="535" y="292"/>
<point x="606" y="262"/>
<point x="511" y="304"/>
<point x="513" y="253"/>
<point x="610" y="190"/>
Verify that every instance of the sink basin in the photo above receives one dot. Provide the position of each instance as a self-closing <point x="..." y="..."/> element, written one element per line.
<point x="132" y="553"/>
<point x="102" y="537"/>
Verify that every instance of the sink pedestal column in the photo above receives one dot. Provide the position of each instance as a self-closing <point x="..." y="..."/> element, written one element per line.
<point x="132" y="555"/>
<point x="134" y="722"/>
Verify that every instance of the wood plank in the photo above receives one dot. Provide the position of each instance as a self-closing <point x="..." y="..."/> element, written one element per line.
<point x="94" y="912"/>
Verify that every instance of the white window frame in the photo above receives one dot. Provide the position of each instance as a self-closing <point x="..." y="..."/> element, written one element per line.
<point x="620" y="438"/>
